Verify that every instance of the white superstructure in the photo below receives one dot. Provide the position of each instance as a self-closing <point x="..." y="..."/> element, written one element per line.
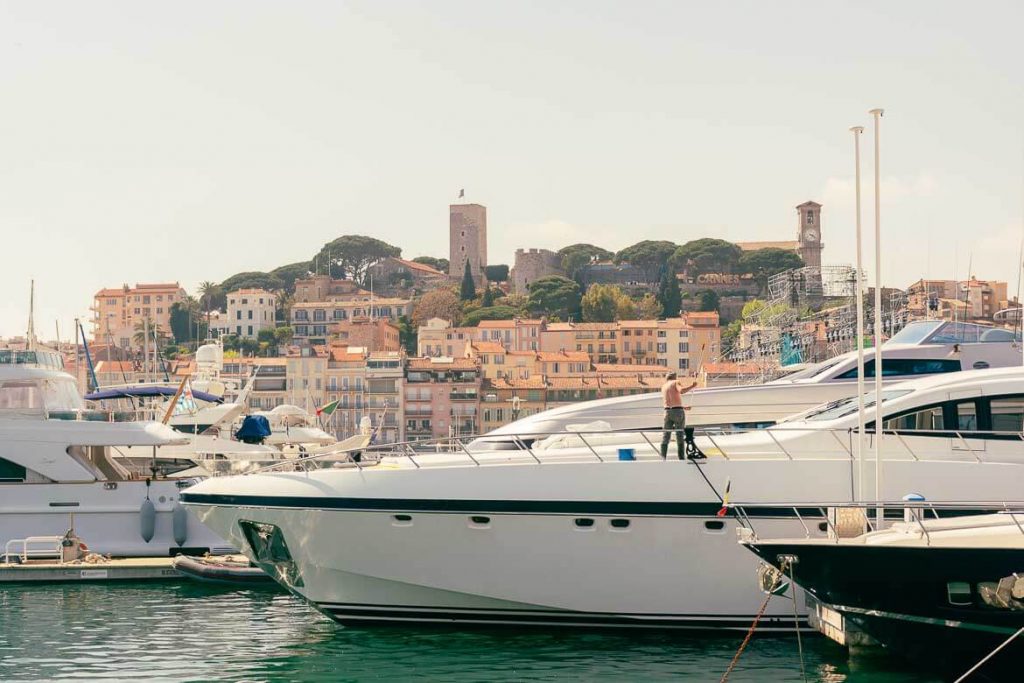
<point x="922" y="348"/>
<point x="565" y="532"/>
<point x="56" y="469"/>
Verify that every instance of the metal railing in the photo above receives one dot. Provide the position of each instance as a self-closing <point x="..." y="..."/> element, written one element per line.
<point x="533" y="447"/>
<point x="34" y="546"/>
<point x="906" y="511"/>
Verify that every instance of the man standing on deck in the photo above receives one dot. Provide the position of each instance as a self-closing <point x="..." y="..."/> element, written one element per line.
<point x="675" y="416"/>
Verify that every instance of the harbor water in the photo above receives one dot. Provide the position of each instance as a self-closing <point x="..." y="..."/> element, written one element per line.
<point x="183" y="631"/>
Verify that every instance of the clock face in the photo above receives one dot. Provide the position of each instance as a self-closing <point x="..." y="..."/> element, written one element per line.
<point x="810" y="236"/>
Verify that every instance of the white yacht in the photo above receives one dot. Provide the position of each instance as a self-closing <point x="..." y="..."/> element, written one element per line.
<point x="925" y="347"/>
<point x="57" y="473"/>
<point x="595" y="529"/>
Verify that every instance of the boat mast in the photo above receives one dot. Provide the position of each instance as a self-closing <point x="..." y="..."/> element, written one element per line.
<point x="30" y="334"/>
<point x="879" y="513"/>
<point x="859" y="444"/>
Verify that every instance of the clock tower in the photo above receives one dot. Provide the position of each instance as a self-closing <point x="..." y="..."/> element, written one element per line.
<point x="808" y="233"/>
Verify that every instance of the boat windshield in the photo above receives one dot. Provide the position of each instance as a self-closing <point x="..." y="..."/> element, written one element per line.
<point x="50" y="394"/>
<point x="848" y="406"/>
<point x="915" y="332"/>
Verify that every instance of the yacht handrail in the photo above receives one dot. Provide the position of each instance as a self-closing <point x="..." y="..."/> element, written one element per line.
<point x="913" y="511"/>
<point x="414" y="448"/>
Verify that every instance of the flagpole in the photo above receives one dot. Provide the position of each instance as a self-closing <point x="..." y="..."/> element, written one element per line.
<point x="859" y="444"/>
<point x="879" y="512"/>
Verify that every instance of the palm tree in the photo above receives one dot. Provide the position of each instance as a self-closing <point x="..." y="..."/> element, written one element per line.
<point x="142" y="326"/>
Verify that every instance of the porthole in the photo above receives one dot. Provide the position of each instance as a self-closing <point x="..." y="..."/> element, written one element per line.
<point x="401" y="520"/>
<point x="620" y="523"/>
<point x="714" y="525"/>
<point x="822" y="527"/>
<point x="479" y="520"/>
<point x="584" y="523"/>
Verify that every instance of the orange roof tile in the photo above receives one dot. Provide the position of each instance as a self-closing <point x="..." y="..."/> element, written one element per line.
<point x="552" y="356"/>
<point x="497" y="324"/>
<point x="727" y="368"/>
<point x="487" y="346"/>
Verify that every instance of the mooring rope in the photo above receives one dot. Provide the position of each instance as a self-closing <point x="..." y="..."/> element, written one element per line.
<point x="753" y="626"/>
<point x="796" y="623"/>
<point x="990" y="655"/>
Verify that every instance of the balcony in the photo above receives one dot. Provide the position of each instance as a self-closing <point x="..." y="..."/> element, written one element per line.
<point x="463" y="396"/>
<point x="639" y="353"/>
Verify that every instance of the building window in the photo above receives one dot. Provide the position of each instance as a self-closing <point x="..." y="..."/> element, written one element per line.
<point x="684" y="347"/>
<point x="250" y="330"/>
<point x="810" y="218"/>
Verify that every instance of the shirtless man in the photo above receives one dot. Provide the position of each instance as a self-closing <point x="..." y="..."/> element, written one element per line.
<point x="675" y="418"/>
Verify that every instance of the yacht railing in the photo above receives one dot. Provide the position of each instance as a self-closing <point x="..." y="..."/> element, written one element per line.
<point x="907" y="511"/>
<point x="473" y="450"/>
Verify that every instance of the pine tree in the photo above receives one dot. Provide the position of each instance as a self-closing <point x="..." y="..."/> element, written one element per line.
<point x="468" y="290"/>
<point x="669" y="296"/>
<point x="488" y="298"/>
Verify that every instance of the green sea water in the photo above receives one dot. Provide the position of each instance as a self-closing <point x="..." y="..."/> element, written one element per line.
<point x="189" y="632"/>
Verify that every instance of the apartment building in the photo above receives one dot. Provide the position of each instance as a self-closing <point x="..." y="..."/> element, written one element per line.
<point x="968" y="300"/>
<point x="385" y="383"/>
<point x="248" y="312"/>
<point x="117" y="312"/>
<point x="599" y="340"/>
<point x="442" y="397"/>
<point x="374" y="335"/>
<point x="316" y="322"/>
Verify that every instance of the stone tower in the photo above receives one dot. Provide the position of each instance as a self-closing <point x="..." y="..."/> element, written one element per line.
<point x="467" y="240"/>
<point x="531" y="265"/>
<point x="808" y="233"/>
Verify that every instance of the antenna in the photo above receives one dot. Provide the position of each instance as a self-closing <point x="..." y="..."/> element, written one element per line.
<point x="30" y="334"/>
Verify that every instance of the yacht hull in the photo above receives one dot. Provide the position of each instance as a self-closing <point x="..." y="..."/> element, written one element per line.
<point x="105" y="515"/>
<point x="603" y="544"/>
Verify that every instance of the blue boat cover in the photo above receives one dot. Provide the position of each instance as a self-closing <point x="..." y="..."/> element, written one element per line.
<point x="147" y="392"/>
<point x="254" y="429"/>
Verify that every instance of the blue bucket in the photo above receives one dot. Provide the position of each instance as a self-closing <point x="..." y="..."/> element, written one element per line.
<point x="627" y="454"/>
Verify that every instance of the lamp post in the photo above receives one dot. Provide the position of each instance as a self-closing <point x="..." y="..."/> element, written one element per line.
<point x="859" y="284"/>
<point x="879" y="513"/>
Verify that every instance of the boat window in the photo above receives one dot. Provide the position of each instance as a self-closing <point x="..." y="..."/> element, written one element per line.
<point x="20" y="395"/>
<point x="892" y="367"/>
<point x="10" y="471"/>
<point x="584" y="522"/>
<point x="62" y="394"/>
<point x="714" y="525"/>
<point x="955" y="333"/>
<point x="967" y="416"/>
<point x="958" y="593"/>
<point x="914" y="333"/>
<point x="848" y="406"/>
<point x="929" y="418"/>
<point x="1008" y="414"/>
<point x="619" y="523"/>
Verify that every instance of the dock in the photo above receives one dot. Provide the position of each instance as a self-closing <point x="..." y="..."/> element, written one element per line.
<point x="118" y="569"/>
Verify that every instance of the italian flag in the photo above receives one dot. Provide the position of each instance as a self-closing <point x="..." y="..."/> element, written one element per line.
<point x="327" y="409"/>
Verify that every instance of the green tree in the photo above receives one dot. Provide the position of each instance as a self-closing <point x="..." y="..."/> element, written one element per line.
<point x="248" y="347"/>
<point x="407" y="335"/>
<point x="519" y="302"/>
<point x="467" y="291"/>
<point x="648" y="308"/>
<point x="487" y="299"/>
<point x="496" y="273"/>
<point x="708" y="300"/>
<point x="707" y="255"/>
<point x="650" y="256"/>
<point x="576" y="257"/>
<point x="669" y="297"/>
<point x="211" y="296"/>
<point x="440" y="264"/>
<point x="266" y="335"/>
<point x="154" y="331"/>
<point x="349" y="256"/>
<point x="763" y="263"/>
<point x="554" y="296"/>
<point x="180" y="320"/>
<point x="441" y="303"/>
<point x="283" y="334"/>
<point x="489" y="313"/>
<point x="605" y="304"/>
<point x="252" y="279"/>
<point x="290" y="273"/>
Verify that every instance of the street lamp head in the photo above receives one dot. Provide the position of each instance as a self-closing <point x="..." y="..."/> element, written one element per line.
<point x="857" y="129"/>
<point x="876" y="112"/>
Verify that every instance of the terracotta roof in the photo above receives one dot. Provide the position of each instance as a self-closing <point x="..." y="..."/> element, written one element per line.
<point x="250" y="290"/>
<point x="754" y="246"/>
<point x="118" y="366"/>
<point x="110" y="292"/>
<point x="497" y="323"/>
<point x="629" y="382"/>
<point x="552" y="356"/>
<point x="422" y="267"/>
<point x="535" y="382"/>
<point x="569" y="327"/>
<point x="487" y="346"/>
<point x="442" y="363"/>
<point x="347" y="353"/>
<point x="624" y="368"/>
<point x="572" y="382"/>
<point x="638" y="323"/>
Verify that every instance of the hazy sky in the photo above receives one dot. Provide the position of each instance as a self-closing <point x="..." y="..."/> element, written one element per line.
<point x="191" y="140"/>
